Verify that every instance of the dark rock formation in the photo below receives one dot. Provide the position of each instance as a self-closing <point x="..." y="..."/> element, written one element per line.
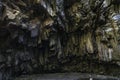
<point x="41" y="36"/>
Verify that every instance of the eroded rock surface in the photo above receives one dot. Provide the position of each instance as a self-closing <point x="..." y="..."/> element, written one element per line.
<point x="41" y="36"/>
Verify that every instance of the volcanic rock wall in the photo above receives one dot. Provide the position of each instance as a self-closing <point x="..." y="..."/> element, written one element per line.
<point x="39" y="36"/>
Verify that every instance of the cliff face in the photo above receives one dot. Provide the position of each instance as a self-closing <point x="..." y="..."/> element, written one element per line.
<point x="58" y="36"/>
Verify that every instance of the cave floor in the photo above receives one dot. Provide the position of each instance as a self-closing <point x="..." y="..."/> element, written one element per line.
<point x="66" y="76"/>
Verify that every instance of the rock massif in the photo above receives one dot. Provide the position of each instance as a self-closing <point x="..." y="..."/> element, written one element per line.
<point x="41" y="36"/>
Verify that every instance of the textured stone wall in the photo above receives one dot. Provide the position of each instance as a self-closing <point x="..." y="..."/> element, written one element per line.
<point x="38" y="36"/>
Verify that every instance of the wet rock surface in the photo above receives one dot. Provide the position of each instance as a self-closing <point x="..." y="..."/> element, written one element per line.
<point x="67" y="76"/>
<point x="43" y="36"/>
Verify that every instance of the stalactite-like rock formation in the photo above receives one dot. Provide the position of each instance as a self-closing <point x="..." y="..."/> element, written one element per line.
<point x="58" y="35"/>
